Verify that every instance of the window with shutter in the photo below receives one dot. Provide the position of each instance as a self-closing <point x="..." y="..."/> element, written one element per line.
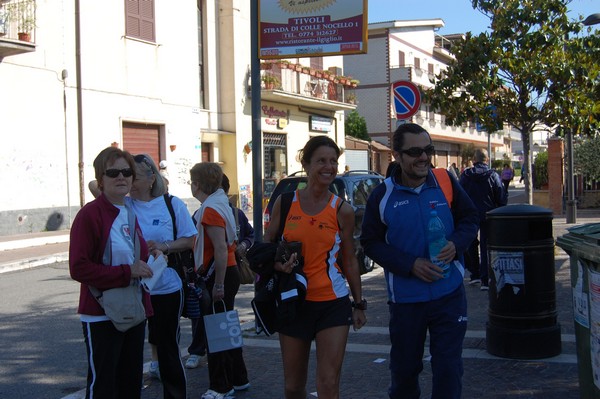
<point x="139" y="19"/>
<point x="401" y="58"/>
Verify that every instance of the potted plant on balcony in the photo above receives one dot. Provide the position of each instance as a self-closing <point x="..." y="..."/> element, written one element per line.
<point x="23" y="13"/>
<point x="351" y="98"/>
<point x="283" y="64"/>
<point x="354" y="82"/>
<point x="266" y="65"/>
<point x="25" y="28"/>
<point x="271" y="82"/>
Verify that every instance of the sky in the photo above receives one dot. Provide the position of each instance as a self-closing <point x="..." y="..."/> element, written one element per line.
<point x="458" y="15"/>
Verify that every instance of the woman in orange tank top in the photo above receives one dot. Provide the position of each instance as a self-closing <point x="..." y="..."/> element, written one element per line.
<point x="324" y="224"/>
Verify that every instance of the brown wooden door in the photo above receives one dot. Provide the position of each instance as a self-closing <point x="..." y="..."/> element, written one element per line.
<point x="142" y="139"/>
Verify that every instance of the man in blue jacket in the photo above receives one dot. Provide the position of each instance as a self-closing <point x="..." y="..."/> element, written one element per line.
<point x="394" y="235"/>
<point x="485" y="189"/>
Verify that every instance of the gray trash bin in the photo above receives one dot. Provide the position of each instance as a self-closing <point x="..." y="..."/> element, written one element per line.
<point x="522" y="316"/>
<point x="582" y="243"/>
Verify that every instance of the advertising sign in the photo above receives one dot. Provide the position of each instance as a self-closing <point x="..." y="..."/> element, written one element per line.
<point x="305" y="28"/>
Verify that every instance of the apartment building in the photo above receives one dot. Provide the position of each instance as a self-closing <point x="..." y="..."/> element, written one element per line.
<point x="411" y="51"/>
<point x="170" y="79"/>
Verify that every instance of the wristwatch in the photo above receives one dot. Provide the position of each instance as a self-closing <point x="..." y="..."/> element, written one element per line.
<point x="362" y="305"/>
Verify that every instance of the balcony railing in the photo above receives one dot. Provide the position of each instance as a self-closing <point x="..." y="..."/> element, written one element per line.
<point x="17" y="20"/>
<point x="308" y="82"/>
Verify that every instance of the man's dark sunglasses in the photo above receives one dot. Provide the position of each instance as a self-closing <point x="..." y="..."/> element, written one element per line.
<point x="127" y="172"/>
<point x="416" y="152"/>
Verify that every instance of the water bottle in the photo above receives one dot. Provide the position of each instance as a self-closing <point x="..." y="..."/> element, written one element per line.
<point x="436" y="236"/>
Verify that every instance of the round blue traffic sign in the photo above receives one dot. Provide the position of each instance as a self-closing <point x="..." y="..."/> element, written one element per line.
<point x="407" y="99"/>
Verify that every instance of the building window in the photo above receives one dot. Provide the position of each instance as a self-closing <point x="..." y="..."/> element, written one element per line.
<point x="401" y="58"/>
<point x="139" y="19"/>
<point x="275" y="155"/>
<point x="417" y="63"/>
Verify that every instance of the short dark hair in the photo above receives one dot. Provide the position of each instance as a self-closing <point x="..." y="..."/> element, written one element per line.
<point x="107" y="156"/>
<point x="315" y="142"/>
<point x="225" y="183"/>
<point x="413" y="128"/>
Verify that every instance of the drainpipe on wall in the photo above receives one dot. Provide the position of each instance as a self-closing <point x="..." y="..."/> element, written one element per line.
<point x="64" y="76"/>
<point x="79" y="106"/>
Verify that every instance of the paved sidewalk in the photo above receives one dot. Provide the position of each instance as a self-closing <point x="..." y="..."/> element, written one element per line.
<point x="365" y="372"/>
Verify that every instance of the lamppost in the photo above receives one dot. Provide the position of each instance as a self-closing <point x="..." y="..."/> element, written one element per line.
<point x="571" y="201"/>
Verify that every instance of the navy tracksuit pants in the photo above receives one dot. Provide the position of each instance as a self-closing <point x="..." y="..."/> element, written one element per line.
<point x="446" y="320"/>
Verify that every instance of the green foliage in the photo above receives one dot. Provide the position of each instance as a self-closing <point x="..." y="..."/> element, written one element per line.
<point x="586" y="157"/>
<point x="498" y="164"/>
<point x="540" y="170"/>
<point x="356" y="126"/>
<point x="532" y="67"/>
<point x="466" y="153"/>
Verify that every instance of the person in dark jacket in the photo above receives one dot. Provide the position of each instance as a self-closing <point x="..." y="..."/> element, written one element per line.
<point x="484" y="187"/>
<point x="394" y="235"/>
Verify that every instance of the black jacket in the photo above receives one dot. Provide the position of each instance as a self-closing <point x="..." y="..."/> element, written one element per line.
<point x="277" y="295"/>
<point x="484" y="187"/>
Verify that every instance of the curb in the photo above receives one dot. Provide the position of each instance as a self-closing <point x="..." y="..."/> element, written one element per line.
<point x="33" y="242"/>
<point x="30" y="263"/>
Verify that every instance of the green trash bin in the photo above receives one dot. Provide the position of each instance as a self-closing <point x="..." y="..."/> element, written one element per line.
<point x="582" y="243"/>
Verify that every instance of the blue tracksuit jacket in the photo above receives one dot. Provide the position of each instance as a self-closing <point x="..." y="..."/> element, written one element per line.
<point x="394" y="235"/>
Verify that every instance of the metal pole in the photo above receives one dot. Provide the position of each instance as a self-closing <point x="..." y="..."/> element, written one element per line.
<point x="571" y="201"/>
<point x="79" y="102"/>
<point x="256" y="132"/>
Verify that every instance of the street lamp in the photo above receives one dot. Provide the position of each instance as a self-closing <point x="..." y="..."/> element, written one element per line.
<point x="571" y="201"/>
<point x="592" y="19"/>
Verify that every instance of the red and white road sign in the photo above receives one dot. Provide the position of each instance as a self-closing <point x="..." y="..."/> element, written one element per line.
<point x="407" y="99"/>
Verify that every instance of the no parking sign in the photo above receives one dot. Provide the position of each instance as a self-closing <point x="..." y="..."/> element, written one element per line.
<point x="407" y="99"/>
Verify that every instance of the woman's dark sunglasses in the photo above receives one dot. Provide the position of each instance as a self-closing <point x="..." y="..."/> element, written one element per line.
<point x="416" y="152"/>
<point x="127" y="172"/>
<point x="141" y="158"/>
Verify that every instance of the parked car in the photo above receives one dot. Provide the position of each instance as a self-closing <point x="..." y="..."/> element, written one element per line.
<point x="353" y="186"/>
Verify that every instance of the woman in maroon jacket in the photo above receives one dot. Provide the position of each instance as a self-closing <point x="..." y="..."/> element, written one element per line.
<point x="101" y="255"/>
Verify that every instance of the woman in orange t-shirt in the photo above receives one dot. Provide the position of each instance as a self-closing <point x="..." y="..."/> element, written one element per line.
<point x="214" y="254"/>
<point x="325" y="225"/>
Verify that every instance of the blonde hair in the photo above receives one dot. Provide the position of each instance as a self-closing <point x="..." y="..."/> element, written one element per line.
<point x="145" y="165"/>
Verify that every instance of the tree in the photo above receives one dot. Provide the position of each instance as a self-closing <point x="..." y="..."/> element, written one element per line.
<point x="587" y="158"/>
<point x="356" y="126"/>
<point x="467" y="152"/>
<point x="527" y="71"/>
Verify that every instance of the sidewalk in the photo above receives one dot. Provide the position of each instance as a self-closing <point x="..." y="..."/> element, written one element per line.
<point x="365" y="371"/>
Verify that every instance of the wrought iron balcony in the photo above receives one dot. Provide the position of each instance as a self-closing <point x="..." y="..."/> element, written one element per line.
<point x="17" y="27"/>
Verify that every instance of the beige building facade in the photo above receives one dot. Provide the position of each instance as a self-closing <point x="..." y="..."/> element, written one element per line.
<point x="410" y="51"/>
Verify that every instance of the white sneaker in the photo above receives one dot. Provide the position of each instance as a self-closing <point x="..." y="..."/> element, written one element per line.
<point x="210" y="394"/>
<point x="154" y="371"/>
<point x="192" y="362"/>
